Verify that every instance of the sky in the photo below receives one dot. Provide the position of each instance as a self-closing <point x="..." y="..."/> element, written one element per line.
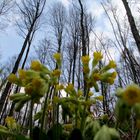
<point x="11" y="42"/>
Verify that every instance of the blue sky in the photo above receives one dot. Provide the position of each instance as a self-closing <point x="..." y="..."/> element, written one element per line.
<point x="11" y="42"/>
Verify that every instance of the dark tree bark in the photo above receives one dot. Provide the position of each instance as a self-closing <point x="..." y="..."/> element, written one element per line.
<point x="84" y="50"/>
<point x="131" y="20"/>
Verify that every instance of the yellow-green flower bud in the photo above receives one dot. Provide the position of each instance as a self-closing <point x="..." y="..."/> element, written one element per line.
<point x="85" y="59"/>
<point x="11" y="123"/>
<point x="36" y="65"/>
<point x="114" y="74"/>
<point x="132" y="94"/>
<point x="95" y="76"/>
<point x="86" y="69"/>
<point x="112" y="64"/>
<point x="97" y="56"/>
<point x="29" y="89"/>
<point x="70" y="89"/>
<point x="80" y="93"/>
<point x="110" y="80"/>
<point x="59" y="87"/>
<point x="55" y="99"/>
<point x="56" y="73"/>
<point x="108" y="77"/>
<point x="100" y="98"/>
<point x="22" y="74"/>
<point x="57" y="56"/>
<point x="49" y="107"/>
<point x="109" y="66"/>
<point x="37" y="82"/>
<point x="90" y="94"/>
<point x="12" y="78"/>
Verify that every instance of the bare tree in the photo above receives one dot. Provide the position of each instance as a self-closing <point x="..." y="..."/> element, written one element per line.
<point x="132" y="23"/>
<point x="5" y="6"/>
<point x="5" y="9"/>
<point x="44" y="53"/>
<point x="123" y="39"/>
<point x="57" y="19"/>
<point x="31" y="11"/>
<point x="74" y="38"/>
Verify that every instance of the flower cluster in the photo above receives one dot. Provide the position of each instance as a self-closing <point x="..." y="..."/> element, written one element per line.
<point x="11" y="123"/>
<point x="132" y="94"/>
<point x="31" y="80"/>
<point x="95" y="74"/>
<point x="57" y="57"/>
<point x="129" y="99"/>
<point x="35" y="82"/>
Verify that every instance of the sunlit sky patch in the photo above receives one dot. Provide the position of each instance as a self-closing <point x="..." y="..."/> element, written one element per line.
<point x="11" y="42"/>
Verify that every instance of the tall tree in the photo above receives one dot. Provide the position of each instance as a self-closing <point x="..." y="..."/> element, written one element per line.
<point x="31" y="12"/>
<point x="57" y="18"/>
<point x="132" y="23"/>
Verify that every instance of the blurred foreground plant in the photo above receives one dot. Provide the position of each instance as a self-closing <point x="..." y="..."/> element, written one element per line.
<point x="39" y="82"/>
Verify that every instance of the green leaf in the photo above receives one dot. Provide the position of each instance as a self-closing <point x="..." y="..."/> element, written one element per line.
<point x="114" y="134"/>
<point x="103" y="134"/>
<point x="20" y="104"/>
<point x="106" y="133"/>
<point x="91" y="128"/>
<point x="17" y="97"/>
<point x="122" y="111"/>
<point x="4" y="130"/>
<point x="38" y="115"/>
<point x="136" y="108"/>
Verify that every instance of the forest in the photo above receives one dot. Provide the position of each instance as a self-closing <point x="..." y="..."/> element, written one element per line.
<point x="76" y="73"/>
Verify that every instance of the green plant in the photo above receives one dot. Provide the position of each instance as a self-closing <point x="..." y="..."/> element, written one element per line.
<point x="39" y="82"/>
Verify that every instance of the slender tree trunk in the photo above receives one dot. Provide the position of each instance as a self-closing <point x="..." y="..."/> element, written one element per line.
<point x="15" y="68"/>
<point x="70" y="69"/>
<point x="23" y="65"/>
<point x="74" y="62"/>
<point x="83" y="39"/>
<point x="131" y="20"/>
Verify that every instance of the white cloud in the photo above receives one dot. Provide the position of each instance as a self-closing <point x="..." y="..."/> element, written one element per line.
<point x="65" y="2"/>
<point x="95" y="8"/>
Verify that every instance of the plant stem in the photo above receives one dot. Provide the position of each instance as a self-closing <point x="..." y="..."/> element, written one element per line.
<point x="133" y="129"/>
<point x="44" y="110"/>
<point x="84" y="112"/>
<point x="76" y="117"/>
<point x="54" y="107"/>
<point x="31" y="115"/>
<point x="137" y="134"/>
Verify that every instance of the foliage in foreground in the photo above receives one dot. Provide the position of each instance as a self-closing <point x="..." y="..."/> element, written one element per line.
<point x="39" y="82"/>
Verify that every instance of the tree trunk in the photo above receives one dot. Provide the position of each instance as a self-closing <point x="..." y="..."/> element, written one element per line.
<point x="132" y="24"/>
<point x="15" y="68"/>
<point x="83" y="40"/>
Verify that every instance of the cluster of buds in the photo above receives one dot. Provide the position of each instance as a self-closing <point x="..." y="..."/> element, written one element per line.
<point x="12" y="128"/>
<point x="35" y="81"/>
<point x="11" y="123"/>
<point x="129" y="99"/>
<point x="31" y="80"/>
<point x="95" y="75"/>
